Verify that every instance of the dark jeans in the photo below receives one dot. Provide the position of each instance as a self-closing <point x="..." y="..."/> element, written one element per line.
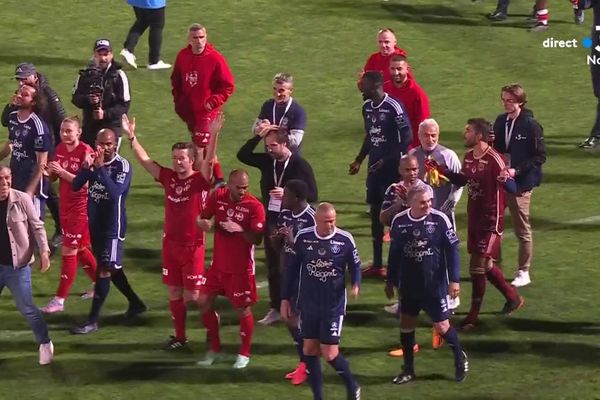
<point x="273" y="270"/>
<point x="144" y="18"/>
<point x="18" y="282"/>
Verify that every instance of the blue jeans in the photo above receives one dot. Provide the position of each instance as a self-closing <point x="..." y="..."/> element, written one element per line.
<point x="18" y="282"/>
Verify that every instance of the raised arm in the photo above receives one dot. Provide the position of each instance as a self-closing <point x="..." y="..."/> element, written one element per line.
<point x="247" y="155"/>
<point x="205" y="164"/>
<point x="138" y="151"/>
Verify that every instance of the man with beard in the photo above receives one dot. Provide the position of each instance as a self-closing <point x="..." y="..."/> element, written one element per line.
<point x="277" y="166"/>
<point x="403" y="87"/>
<point x="102" y="92"/>
<point x="53" y="114"/>
<point x="29" y="144"/>
<point x="109" y="177"/>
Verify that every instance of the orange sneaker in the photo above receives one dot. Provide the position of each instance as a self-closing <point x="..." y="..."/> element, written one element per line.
<point x="374" y="272"/>
<point x="298" y="376"/>
<point x="386" y="237"/>
<point x="400" y="353"/>
<point x="437" y="340"/>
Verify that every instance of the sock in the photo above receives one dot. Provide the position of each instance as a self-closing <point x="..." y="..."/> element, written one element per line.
<point x="343" y="370"/>
<point x="377" y="253"/>
<point x="295" y="333"/>
<point x="87" y="260"/>
<point x="496" y="277"/>
<point x="246" y="330"/>
<point x="100" y="293"/>
<point x="120" y="281"/>
<point x="211" y="323"/>
<point x="178" y="315"/>
<point x="451" y="337"/>
<point x="68" y="272"/>
<point x="407" y="339"/>
<point x="542" y="16"/>
<point x="217" y="172"/>
<point x="314" y="375"/>
<point x="477" y="293"/>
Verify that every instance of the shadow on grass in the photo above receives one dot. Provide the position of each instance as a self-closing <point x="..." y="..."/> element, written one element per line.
<point x="536" y="325"/>
<point x="437" y="14"/>
<point x="571" y="179"/>
<point x="573" y="353"/>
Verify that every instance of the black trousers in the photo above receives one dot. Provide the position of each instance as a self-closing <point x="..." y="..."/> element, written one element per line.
<point x="147" y="18"/>
<point x="273" y="269"/>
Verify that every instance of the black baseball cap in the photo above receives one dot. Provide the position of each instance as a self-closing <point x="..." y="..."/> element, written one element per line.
<point x="102" y="44"/>
<point x="24" y="70"/>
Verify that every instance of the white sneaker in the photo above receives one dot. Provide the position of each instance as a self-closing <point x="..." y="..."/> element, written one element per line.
<point x="522" y="279"/>
<point x="129" y="57"/>
<point x="453" y="303"/>
<point x="209" y="359"/>
<point x="46" y="353"/>
<point x="53" y="306"/>
<point x="159" y="65"/>
<point x="88" y="294"/>
<point x="271" y="317"/>
<point x="392" y="308"/>
<point x="241" y="362"/>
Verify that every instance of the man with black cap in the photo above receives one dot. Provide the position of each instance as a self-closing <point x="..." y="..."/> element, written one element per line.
<point x="102" y="92"/>
<point x="53" y="114"/>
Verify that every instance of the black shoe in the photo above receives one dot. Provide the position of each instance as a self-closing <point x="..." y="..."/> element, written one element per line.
<point x="84" y="329"/>
<point x="497" y="16"/>
<point x="511" y="306"/>
<point x="355" y="394"/>
<point x="135" y="310"/>
<point x="462" y="368"/>
<point x="404" y="377"/>
<point x="174" y="344"/>
<point x="56" y="239"/>
<point x="539" y="27"/>
<point x="589" y="143"/>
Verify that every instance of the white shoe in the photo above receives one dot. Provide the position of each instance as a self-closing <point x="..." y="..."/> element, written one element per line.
<point x="88" y="294"/>
<point x="271" y="317"/>
<point x="129" y="57"/>
<point x="392" y="308"/>
<point x="46" y="353"/>
<point x="209" y="359"/>
<point x="159" y="65"/>
<point x="53" y="306"/>
<point x="241" y="362"/>
<point x="453" y="303"/>
<point x="522" y="279"/>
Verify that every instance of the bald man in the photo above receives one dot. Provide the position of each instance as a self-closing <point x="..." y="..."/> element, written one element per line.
<point x="239" y="220"/>
<point x="316" y="272"/>
<point x="108" y="176"/>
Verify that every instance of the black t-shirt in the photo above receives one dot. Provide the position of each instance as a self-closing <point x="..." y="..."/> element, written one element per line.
<point x="5" y="250"/>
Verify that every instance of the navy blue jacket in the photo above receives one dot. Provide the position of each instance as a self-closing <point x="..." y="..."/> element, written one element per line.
<point x="526" y="148"/>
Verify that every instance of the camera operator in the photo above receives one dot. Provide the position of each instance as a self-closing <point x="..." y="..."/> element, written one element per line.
<point x="102" y="92"/>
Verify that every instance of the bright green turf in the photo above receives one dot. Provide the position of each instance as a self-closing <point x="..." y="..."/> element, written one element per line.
<point x="547" y="350"/>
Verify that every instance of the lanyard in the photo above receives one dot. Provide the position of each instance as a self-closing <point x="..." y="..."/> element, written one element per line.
<point x="508" y="132"/>
<point x="287" y="108"/>
<point x="280" y="179"/>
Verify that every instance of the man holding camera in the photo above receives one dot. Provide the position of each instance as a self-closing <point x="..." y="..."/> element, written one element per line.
<point x="102" y="92"/>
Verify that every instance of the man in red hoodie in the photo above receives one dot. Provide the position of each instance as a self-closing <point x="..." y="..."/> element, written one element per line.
<point x="402" y="86"/>
<point x="380" y="60"/>
<point x="202" y="82"/>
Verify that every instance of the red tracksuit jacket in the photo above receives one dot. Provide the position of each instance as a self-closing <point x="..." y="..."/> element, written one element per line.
<point x="415" y="102"/>
<point x="198" y="79"/>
